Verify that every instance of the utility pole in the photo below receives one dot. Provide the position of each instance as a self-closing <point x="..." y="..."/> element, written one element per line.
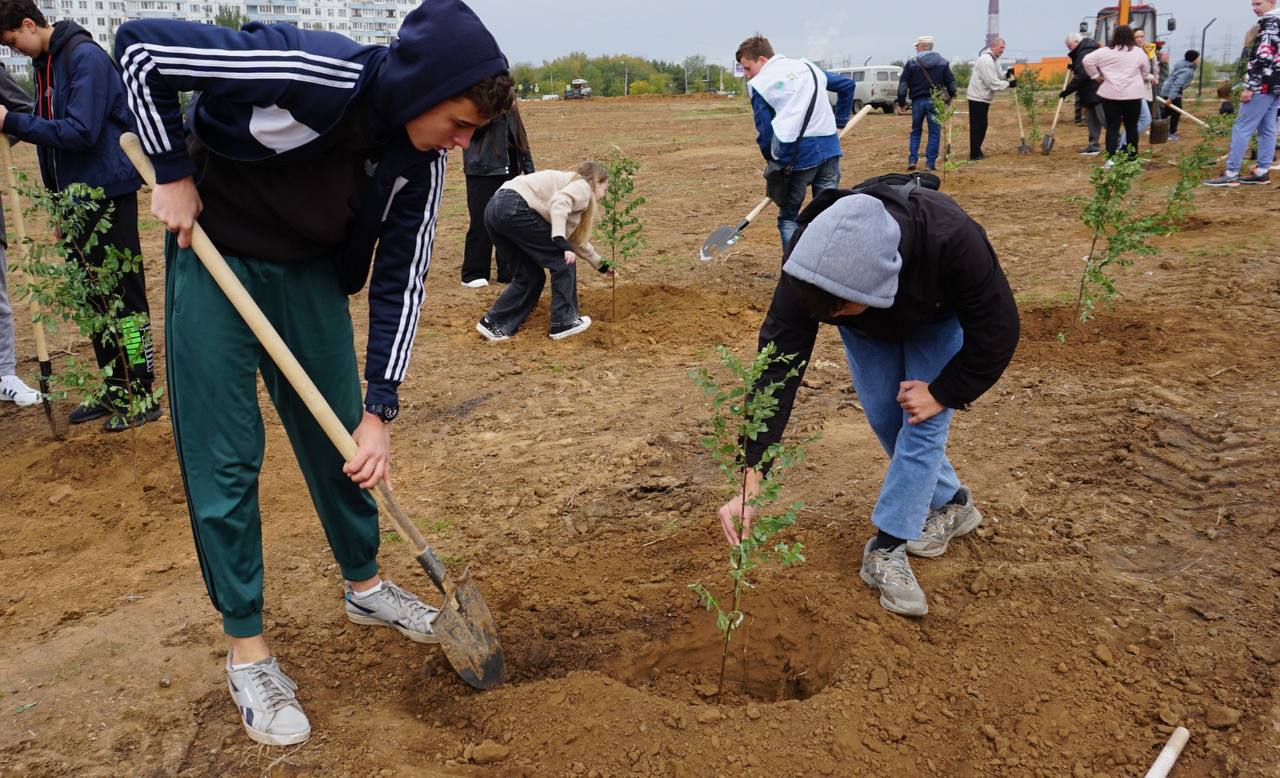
<point x="993" y="20"/>
<point x="1204" y="56"/>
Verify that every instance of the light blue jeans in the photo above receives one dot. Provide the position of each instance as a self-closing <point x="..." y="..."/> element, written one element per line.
<point x="919" y="476"/>
<point x="820" y="178"/>
<point x="1258" y="115"/>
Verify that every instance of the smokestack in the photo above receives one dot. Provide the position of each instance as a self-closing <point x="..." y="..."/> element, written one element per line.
<point x="993" y="20"/>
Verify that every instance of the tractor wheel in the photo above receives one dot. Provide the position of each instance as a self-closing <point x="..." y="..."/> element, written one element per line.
<point x="887" y="108"/>
<point x="857" y="106"/>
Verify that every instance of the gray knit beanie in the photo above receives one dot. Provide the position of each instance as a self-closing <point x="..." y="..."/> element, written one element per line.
<point x="851" y="251"/>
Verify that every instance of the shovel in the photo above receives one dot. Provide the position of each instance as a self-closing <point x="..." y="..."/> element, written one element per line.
<point x="1046" y="145"/>
<point x="20" y="232"/>
<point x="1023" y="147"/>
<point x="724" y="236"/>
<point x="465" y="626"/>
<point x="1192" y="117"/>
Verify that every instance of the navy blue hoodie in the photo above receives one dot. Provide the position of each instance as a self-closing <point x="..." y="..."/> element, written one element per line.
<point x="80" y="115"/>
<point x="273" y="92"/>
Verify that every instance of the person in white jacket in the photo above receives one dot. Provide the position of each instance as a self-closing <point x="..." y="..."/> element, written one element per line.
<point x="983" y="86"/>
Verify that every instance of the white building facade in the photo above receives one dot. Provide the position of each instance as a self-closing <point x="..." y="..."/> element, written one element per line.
<point x="364" y="21"/>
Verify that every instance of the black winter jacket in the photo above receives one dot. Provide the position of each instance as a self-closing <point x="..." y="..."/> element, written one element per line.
<point x="495" y="149"/>
<point x="1082" y="83"/>
<point x="948" y="268"/>
<point x="922" y="74"/>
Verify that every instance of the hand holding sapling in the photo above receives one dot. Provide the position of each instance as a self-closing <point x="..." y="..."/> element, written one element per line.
<point x="732" y="515"/>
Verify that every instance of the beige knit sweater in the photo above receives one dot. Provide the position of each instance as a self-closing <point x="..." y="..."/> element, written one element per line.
<point x="560" y="199"/>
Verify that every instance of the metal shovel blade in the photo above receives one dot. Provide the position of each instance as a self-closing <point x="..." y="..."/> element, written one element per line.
<point x="722" y="238"/>
<point x="1046" y="145"/>
<point x="468" y="635"/>
<point x="1023" y="148"/>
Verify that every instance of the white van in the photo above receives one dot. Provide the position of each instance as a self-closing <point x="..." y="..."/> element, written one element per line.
<point x="877" y="85"/>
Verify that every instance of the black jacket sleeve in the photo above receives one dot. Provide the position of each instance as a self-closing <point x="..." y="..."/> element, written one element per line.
<point x="792" y="331"/>
<point x="987" y="313"/>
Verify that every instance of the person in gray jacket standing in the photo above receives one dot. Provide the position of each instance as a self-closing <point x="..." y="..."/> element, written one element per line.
<point x="983" y="86"/>
<point x="1179" y="78"/>
<point x="499" y="152"/>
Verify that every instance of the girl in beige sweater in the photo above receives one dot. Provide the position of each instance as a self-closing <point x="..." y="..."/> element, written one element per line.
<point x="543" y="221"/>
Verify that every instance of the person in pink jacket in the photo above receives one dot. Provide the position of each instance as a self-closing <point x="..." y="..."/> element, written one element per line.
<point x="1122" y="69"/>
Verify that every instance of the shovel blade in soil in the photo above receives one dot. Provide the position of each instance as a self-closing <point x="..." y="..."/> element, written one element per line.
<point x="1023" y="148"/>
<point x="1046" y="145"/>
<point x="723" y="237"/>
<point x="469" y="637"/>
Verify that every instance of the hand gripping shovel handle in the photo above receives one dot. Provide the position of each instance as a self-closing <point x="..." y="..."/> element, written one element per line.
<point x="725" y="237"/>
<point x="20" y="233"/>
<point x="464" y="624"/>
<point x="1190" y="116"/>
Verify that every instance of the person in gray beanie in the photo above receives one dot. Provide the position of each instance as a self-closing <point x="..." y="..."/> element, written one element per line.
<point x="928" y="323"/>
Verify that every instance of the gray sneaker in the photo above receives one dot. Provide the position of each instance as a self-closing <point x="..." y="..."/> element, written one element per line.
<point x="1226" y="179"/>
<point x="1258" y="177"/>
<point x="944" y="524"/>
<point x="890" y="572"/>
<point x="268" y="705"/>
<point x="393" y="607"/>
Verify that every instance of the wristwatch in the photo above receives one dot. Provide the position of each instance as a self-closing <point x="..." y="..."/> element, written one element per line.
<point x="384" y="412"/>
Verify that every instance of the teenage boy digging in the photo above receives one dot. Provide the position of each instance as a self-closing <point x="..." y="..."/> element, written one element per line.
<point x="304" y="150"/>
<point x="928" y="324"/>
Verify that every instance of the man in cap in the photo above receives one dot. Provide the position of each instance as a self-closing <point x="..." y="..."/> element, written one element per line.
<point x="928" y="323"/>
<point x="924" y="74"/>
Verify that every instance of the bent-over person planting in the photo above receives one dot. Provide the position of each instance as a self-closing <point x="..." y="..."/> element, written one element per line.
<point x="928" y="323"/>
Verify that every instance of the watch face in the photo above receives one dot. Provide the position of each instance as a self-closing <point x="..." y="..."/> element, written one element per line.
<point x="389" y="412"/>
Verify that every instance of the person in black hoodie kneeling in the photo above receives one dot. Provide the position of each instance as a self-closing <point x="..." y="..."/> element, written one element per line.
<point x="306" y="150"/>
<point x="928" y="323"/>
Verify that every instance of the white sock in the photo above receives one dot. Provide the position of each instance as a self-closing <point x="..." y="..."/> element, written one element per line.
<point x="368" y="592"/>
<point x="235" y="666"/>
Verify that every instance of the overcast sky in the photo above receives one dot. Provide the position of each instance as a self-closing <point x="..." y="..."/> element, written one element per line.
<point x="531" y="31"/>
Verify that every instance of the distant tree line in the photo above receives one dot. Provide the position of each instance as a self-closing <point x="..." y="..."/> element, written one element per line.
<point x="610" y="76"/>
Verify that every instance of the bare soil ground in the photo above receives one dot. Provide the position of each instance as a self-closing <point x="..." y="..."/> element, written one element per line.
<point x="1125" y="580"/>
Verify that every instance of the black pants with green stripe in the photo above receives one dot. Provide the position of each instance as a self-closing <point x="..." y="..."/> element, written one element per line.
<point x="213" y="362"/>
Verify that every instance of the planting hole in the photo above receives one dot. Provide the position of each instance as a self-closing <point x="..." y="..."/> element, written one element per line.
<point x="788" y="655"/>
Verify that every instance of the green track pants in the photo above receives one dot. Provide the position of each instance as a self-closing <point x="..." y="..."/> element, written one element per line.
<point x="213" y="361"/>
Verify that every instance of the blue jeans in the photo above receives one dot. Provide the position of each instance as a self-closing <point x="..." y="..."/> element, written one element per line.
<point x="1258" y="115"/>
<point x="822" y="177"/>
<point x="919" y="476"/>
<point x="922" y="110"/>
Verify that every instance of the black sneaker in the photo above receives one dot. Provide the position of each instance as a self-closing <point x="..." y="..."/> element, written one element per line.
<point x="579" y="324"/>
<point x="1091" y="151"/>
<point x="122" y="423"/>
<point x="492" y="332"/>
<point x="934" y="168"/>
<point x="911" y="166"/>
<point x="85" y="413"/>
<point x="978" y="158"/>
<point x="1256" y="178"/>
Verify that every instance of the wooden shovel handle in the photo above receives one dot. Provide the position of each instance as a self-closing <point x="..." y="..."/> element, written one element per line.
<point x="1190" y="116"/>
<point x="212" y="259"/>
<point x="1058" y="112"/>
<point x="20" y="234"/>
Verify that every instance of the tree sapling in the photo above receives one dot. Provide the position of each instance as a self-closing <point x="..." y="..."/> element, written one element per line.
<point x="619" y="225"/>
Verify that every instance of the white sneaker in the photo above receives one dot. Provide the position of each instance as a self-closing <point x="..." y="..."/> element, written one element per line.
<point x="13" y="389"/>
<point x="393" y="607"/>
<point x="267" y="702"/>
<point x="478" y="283"/>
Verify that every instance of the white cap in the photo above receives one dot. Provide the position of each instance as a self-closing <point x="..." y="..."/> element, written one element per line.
<point x="924" y="39"/>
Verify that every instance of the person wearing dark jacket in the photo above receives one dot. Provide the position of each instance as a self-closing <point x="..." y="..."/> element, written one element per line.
<point x="76" y="129"/>
<point x="928" y="323"/>
<point x="1172" y="88"/>
<point x="303" y="151"/>
<point x="499" y="152"/>
<point x="924" y="74"/>
<point x="1086" y="90"/>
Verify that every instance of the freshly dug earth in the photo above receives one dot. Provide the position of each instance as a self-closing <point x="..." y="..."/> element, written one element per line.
<point x="1124" y="581"/>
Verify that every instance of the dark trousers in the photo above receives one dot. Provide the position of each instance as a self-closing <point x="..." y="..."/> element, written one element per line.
<point x="1174" y="116"/>
<point x="128" y="353"/>
<point x="978" y="111"/>
<point x="479" y="248"/>
<point x="525" y="237"/>
<point x="1096" y="119"/>
<point x="1126" y="112"/>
